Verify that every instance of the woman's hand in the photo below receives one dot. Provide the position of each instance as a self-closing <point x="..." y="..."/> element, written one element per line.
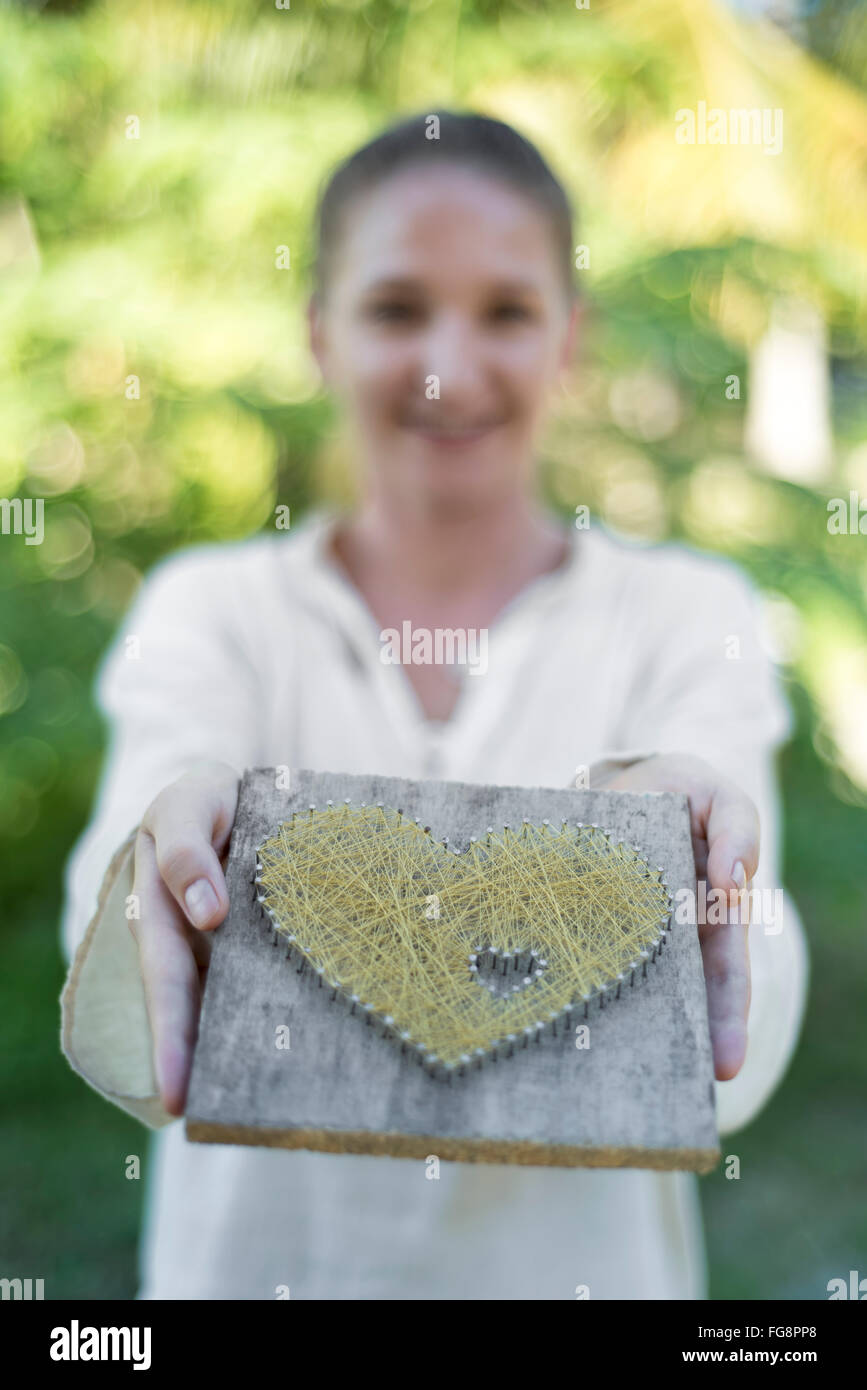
<point x="181" y="895"/>
<point x="725" y="838"/>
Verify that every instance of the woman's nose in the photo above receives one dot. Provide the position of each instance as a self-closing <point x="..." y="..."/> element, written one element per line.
<point x="454" y="355"/>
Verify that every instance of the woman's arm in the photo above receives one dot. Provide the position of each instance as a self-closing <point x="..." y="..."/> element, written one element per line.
<point x="708" y="702"/>
<point x="182" y="699"/>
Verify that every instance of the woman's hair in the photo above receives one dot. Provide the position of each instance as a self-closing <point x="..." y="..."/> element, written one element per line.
<point x="478" y="142"/>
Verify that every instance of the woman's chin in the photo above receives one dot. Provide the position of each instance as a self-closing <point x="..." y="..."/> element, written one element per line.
<point x="460" y="467"/>
<point x="449" y="478"/>
<point x="470" y="484"/>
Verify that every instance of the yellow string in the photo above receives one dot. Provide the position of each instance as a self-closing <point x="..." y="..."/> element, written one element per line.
<point x="392" y="917"/>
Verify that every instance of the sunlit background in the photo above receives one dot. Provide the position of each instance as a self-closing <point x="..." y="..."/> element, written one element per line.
<point x="156" y="390"/>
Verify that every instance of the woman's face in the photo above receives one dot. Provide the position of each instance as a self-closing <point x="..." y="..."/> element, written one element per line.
<point x="444" y="327"/>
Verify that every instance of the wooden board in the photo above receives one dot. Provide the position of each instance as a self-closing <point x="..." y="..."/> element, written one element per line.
<point x="641" y="1096"/>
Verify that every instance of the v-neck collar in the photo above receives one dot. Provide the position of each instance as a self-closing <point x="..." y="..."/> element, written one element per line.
<point x="326" y="587"/>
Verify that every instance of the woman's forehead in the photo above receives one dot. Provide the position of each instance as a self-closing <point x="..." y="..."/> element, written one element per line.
<point x="446" y="221"/>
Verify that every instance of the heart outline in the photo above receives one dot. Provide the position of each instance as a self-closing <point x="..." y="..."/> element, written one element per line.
<point x="481" y="872"/>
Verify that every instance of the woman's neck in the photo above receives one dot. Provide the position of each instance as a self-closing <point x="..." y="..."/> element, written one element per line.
<point x="427" y="554"/>
<point x="450" y="572"/>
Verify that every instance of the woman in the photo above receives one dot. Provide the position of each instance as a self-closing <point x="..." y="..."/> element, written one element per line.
<point x="442" y="314"/>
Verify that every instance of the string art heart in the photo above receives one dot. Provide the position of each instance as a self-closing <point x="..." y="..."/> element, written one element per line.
<point x="461" y="956"/>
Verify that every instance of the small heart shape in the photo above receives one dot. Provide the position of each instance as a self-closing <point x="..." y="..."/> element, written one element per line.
<point x="425" y="939"/>
<point x="504" y="973"/>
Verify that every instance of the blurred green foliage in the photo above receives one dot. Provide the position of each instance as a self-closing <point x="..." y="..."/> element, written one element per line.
<point x="157" y="391"/>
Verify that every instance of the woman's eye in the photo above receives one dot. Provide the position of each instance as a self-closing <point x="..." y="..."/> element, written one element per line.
<point x="392" y="313"/>
<point x="513" y="312"/>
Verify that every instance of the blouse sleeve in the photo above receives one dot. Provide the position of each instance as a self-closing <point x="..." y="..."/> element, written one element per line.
<point x="706" y="686"/>
<point x="177" y="688"/>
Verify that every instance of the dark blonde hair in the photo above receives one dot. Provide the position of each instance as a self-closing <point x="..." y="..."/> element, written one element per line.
<point x="467" y="139"/>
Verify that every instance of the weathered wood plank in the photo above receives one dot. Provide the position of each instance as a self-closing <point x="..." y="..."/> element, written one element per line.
<point x="641" y="1095"/>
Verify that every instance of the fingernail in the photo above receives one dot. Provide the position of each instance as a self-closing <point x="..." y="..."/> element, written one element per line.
<point x="201" y="902"/>
<point x="739" y="875"/>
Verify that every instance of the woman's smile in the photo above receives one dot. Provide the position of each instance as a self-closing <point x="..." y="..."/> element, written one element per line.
<point x="452" y="437"/>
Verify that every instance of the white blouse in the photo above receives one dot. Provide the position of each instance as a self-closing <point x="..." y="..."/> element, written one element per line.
<point x="261" y="653"/>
